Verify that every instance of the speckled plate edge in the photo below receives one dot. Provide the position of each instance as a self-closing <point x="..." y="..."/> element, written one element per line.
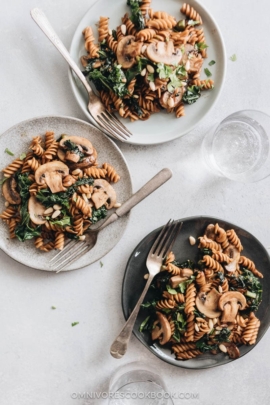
<point x="80" y="95"/>
<point x="114" y="232"/>
<point x="213" y="361"/>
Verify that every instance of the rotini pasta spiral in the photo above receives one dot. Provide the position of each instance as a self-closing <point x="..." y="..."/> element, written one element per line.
<point x="59" y="240"/>
<point x="96" y="172"/>
<point x="190" y="299"/>
<point x="234" y="240"/>
<point x="212" y="264"/>
<point x="191" y="12"/>
<point x="250" y="265"/>
<point x="13" y="167"/>
<point x="91" y="48"/>
<point x="111" y="173"/>
<point x="103" y="28"/>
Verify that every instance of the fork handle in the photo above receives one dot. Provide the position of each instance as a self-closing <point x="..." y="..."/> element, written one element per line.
<point x="40" y="18"/>
<point x="156" y="181"/>
<point x="119" y="346"/>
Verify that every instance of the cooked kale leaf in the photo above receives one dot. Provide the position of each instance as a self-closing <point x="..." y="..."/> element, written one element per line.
<point x="136" y="14"/>
<point x="192" y="94"/>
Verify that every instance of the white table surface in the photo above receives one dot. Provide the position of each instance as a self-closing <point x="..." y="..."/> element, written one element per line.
<point x="43" y="360"/>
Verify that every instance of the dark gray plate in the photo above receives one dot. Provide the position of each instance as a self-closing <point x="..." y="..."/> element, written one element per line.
<point x="134" y="282"/>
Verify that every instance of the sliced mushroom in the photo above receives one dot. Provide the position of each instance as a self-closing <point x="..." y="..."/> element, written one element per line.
<point x="170" y="100"/>
<point x="210" y="232"/>
<point x="164" y="52"/>
<point x="10" y="192"/>
<point x="103" y="194"/>
<point x="127" y="50"/>
<point x="176" y="280"/>
<point x="84" y="144"/>
<point x="36" y="211"/>
<point x="194" y="64"/>
<point x="233" y="254"/>
<point x="187" y="52"/>
<point x="230" y="302"/>
<point x="86" y="162"/>
<point x="232" y="350"/>
<point x="186" y="272"/>
<point x="162" y="329"/>
<point x="207" y="304"/>
<point x="52" y="174"/>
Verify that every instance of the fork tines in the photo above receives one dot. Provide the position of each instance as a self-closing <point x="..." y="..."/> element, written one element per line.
<point x="112" y="125"/>
<point x="166" y="238"/>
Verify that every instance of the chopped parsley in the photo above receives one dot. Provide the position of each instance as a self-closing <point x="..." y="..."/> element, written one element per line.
<point x="53" y="307"/>
<point x="212" y="62"/>
<point x="74" y="323"/>
<point x="9" y="152"/>
<point x="101" y="264"/>
<point x="207" y="72"/>
<point x="233" y="58"/>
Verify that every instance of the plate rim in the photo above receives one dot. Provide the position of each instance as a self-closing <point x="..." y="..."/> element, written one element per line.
<point x="23" y="122"/>
<point x="172" y="361"/>
<point x="74" y="87"/>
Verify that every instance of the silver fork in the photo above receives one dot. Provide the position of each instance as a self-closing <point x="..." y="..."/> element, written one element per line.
<point x="158" y="252"/>
<point x="75" y="249"/>
<point x="107" y="121"/>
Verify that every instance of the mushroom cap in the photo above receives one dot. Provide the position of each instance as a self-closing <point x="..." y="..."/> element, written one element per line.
<point x="186" y="51"/>
<point x="164" y="52"/>
<point x="210" y="232"/>
<point x="51" y="173"/>
<point x="231" y="296"/>
<point x="86" y="145"/>
<point x="229" y="303"/>
<point x="234" y="254"/>
<point x="10" y="192"/>
<point x="36" y="210"/>
<point x="176" y="97"/>
<point x="104" y="194"/>
<point x="86" y="162"/>
<point x="176" y="280"/>
<point x="127" y="50"/>
<point x="162" y="332"/>
<point x="207" y="304"/>
<point x="232" y="350"/>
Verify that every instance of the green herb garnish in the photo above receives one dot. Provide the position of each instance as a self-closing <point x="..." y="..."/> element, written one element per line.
<point x="22" y="156"/>
<point x="212" y="62"/>
<point x="101" y="264"/>
<point x="207" y="72"/>
<point x="99" y="214"/>
<point x="52" y="307"/>
<point x="74" y="323"/>
<point x="136" y="14"/>
<point x="233" y="58"/>
<point x="192" y="94"/>
<point x="144" y="325"/>
<point x="9" y="152"/>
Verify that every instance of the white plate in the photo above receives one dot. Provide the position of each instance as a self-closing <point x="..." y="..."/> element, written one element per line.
<point x="17" y="139"/>
<point x="161" y="127"/>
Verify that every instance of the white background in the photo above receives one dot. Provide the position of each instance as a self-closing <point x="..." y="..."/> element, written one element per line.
<point x="43" y="360"/>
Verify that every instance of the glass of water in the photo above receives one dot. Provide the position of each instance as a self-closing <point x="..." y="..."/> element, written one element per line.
<point x="138" y="384"/>
<point x="239" y="147"/>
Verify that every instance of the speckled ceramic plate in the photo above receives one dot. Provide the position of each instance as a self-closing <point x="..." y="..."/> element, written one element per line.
<point x="136" y="269"/>
<point x="17" y="139"/>
<point x="161" y="127"/>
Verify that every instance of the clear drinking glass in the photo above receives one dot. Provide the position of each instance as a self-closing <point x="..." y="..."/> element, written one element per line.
<point x="138" y="384"/>
<point x="238" y="148"/>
